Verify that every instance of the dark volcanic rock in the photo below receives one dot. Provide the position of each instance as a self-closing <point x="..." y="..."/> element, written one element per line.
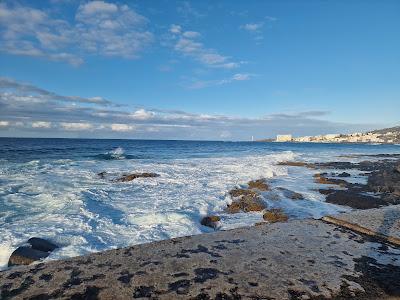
<point x="259" y="184"/>
<point x="275" y="215"/>
<point x="354" y="199"/>
<point x="42" y="244"/>
<point x="26" y="255"/>
<point x="133" y="176"/>
<point x="326" y="191"/>
<point x="210" y="221"/>
<point x="386" y="180"/>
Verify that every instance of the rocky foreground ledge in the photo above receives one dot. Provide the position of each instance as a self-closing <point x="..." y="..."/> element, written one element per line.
<point x="299" y="259"/>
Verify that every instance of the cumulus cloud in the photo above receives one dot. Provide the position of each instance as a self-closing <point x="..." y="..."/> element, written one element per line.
<point x="142" y="114"/>
<point x="99" y="28"/>
<point x="187" y="43"/>
<point x="4" y="123"/>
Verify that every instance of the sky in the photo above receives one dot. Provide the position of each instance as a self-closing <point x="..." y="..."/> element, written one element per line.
<point x="198" y="70"/>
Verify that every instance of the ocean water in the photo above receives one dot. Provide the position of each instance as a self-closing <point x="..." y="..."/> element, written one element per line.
<point x="50" y="188"/>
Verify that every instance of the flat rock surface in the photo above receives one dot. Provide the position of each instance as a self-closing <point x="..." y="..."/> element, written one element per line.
<point x="301" y="259"/>
<point x="384" y="220"/>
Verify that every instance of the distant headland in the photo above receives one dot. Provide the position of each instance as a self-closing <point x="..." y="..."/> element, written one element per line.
<point x="382" y="136"/>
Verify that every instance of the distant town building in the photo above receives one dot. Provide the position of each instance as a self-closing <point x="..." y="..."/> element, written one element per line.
<point x="284" y="138"/>
<point x="331" y="136"/>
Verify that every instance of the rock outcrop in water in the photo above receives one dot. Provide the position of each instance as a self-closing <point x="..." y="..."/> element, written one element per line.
<point x="245" y="200"/>
<point x="133" y="176"/>
<point x="382" y="188"/>
<point x="211" y="221"/>
<point x="258" y="184"/>
<point x="38" y="249"/>
<point x="291" y="194"/>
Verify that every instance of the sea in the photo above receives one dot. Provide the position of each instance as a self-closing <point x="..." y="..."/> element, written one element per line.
<point x="50" y="188"/>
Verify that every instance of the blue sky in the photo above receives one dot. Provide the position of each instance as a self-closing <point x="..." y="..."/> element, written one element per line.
<point x="198" y="69"/>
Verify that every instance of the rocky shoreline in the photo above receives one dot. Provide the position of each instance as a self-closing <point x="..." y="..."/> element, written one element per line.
<point x="382" y="188"/>
<point x="298" y="259"/>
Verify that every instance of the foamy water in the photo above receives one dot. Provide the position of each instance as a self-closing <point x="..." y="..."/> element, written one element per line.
<point x="52" y="190"/>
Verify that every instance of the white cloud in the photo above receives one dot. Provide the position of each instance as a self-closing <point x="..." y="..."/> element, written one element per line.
<point x="96" y="7"/>
<point x="142" y="114"/>
<point x="76" y="126"/>
<point x="191" y="34"/>
<point x="99" y="28"/>
<point x="122" y="127"/>
<point x="4" y="123"/>
<point x="20" y="90"/>
<point x="253" y="27"/>
<point x="175" y="29"/>
<point x="187" y="44"/>
<point x="41" y="124"/>
<point x="199" y="84"/>
<point x="241" y="77"/>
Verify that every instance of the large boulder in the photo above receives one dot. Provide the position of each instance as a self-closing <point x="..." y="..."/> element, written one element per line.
<point x="354" y="199"/>
<point x="42" y="244"/>
<point x="211" y="221"/>
<point x="26" y="255"/>
<point x="275" y="215"/>
<point x="133" y="176"/>
<point x="245" y="201"/>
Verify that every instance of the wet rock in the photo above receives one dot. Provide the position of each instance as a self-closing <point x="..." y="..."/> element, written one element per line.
<point x="260" y="223"/>
<point x="259" y="184"/>
<point x="243" y="192"/>
<point x="246" y="201"/>
<point x="354" y="199"/>
<point x="386" y="180"/>
<point x="42" y="244"/>
<point x="296" y="164"/>
<point x="322" y="179"/>
<point x="211" y="221"/>
<point x="133" y="176"/>
<point x="102" y="175"/>
<point x="326" y="191"/>
<point x="291" y="194"/>
<point x="25" y="255"/>
<point x="275" y="215"/>
<point x="344" y="174"/>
